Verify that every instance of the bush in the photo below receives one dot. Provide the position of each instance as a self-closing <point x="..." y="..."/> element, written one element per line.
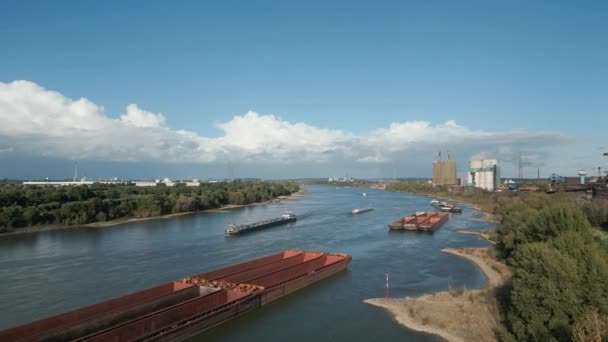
<point x="591" y="327"/>
<point x="554" y="283"/>
<point x="597" y="212"/>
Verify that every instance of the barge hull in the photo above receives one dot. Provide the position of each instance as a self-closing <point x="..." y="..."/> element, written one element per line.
<point x="425" y="222"/>
<point x="183" y="308"/>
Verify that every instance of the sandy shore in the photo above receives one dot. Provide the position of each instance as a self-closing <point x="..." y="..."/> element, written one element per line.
<point x="36" y="229"/>
<point x="457" y="314"/>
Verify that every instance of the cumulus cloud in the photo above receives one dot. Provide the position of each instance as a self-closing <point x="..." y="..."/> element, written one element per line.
<point x="140" y="118"/>
<point x="43" y="122"/>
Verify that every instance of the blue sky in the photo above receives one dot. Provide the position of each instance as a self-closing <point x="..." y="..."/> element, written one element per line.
<point x="496" y="69"/>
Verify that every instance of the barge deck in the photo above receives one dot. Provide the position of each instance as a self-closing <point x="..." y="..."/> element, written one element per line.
<point x="182" y="308"/>
<point x="420" y="222"/>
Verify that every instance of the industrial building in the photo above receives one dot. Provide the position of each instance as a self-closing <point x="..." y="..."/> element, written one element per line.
<point x="444" y="172"/>
<point x="82" y="181"/>
<point x="165" y="182"/>
<point x="484" y="174"/>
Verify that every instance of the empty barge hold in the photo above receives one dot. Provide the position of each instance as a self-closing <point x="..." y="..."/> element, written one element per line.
<point x="422" y="221"/>
<point x="287" y="217"/>
<point x="180" y="309"/>
<point x="361" y="210"/>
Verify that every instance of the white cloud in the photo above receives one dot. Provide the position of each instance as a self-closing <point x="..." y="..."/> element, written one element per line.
<point x="140" y="118"/>
<point x="42" y="122"/>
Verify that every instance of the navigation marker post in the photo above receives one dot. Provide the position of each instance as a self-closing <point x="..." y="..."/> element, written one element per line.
<point x="386" y="285"/>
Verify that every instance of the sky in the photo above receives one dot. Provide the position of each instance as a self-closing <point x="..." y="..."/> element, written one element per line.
<point x="285" y="89"/>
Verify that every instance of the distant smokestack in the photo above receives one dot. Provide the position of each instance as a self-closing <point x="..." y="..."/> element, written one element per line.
<point x="521" y="167"/>
<point x="439" y="155"/>
<point x="449" y="156"/>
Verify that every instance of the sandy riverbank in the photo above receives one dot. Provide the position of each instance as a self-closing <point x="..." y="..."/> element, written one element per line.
<point x="486" y="216"/>
<point x="443" y="198"/>
<point x="457" y="314"/>
<point x="36" y="229"/>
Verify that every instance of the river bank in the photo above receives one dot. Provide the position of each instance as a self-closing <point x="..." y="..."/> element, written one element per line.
<point x="43" y="228"/>
<point x="486" y="217"/>
<point x="457" y="314"/>
<point x="484" y="234"/>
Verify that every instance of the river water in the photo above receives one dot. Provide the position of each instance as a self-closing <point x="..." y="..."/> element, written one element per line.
<point x="50" y="272"/>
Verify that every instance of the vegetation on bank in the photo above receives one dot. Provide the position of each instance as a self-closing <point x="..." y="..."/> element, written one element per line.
<point x="24" y="206"/>
<point x="558" y="291"/>
<point x="515" y="207"/>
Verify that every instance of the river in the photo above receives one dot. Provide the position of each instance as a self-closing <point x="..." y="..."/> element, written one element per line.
<point x="50" y="272"/>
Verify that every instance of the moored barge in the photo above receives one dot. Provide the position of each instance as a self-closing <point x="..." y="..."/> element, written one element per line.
<point x="447" y="207"/>
<point x="423" y="221"/>
<point x="182" y="308"/>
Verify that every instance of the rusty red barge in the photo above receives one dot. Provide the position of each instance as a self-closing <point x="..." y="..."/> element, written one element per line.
<point x="182" y="308"/>
<point x="423" y="221"/>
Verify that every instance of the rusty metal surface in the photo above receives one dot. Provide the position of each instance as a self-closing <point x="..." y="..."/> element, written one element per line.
<point x="334" y="263"/>
<point x="276" y="278"/>
<point x="31" y="330"/>
<point x="197" y="301"/>
<point x="121" y="316"/>
<point x="227" y="271"/>
<point x="166" y="318"/>
<point x="253" y="273"/>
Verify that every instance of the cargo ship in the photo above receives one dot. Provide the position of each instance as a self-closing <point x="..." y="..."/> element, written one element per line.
<point x="234" y="229"/>
<point x="185" y="307"/>
<point x="422" y="221"/>
<point x="361" y="210"/>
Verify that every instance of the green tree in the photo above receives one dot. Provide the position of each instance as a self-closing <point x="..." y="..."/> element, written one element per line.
<point x="545" y="296"/>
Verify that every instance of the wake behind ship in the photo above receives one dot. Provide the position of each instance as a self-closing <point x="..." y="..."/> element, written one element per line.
<point x="287" y="217"/>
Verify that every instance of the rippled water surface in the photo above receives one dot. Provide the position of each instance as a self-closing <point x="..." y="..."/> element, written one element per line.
<point x="51" y="272"/>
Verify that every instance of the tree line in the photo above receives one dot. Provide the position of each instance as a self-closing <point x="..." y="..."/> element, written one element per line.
<point x="24" y="206"/>
<point x="514" y="204"/>
<point x="560" y="274"/>
<point x="557" y="251"/>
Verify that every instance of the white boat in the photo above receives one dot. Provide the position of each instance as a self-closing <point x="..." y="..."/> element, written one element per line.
<point x="444" y="208"/>
<point x="363" y="194"/>
<point x="435" y="202"/>
<point x="361" y="210"/>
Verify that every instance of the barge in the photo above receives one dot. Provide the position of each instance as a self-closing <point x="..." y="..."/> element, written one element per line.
<point x="361" y="210"/>
<point x="287" y="217"/>
<point x="447" y="207"/>
<point x="182" y="308"/>
<point x="422" y="221"/>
